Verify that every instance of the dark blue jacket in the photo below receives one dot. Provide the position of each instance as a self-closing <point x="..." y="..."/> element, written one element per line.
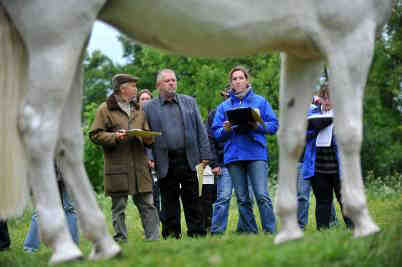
<point x="245" y="144"/>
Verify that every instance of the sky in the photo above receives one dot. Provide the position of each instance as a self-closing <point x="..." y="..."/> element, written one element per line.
<point x="104" y="38"/>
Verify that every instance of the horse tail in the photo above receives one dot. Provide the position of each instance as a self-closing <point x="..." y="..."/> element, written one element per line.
<point x="13" y="84"/>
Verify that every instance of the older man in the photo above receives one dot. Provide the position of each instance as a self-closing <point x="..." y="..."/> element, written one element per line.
<point x="126" y="170"/>
<point x="183" y="145"/>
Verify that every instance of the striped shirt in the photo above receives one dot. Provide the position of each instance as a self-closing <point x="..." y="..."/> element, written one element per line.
<point x="326" y="161"/>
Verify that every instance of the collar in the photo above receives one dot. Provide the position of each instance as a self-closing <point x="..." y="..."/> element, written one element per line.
<point x="112" y="102"/>
<point x="165" y="101"/>
<point x="235" y="98"/>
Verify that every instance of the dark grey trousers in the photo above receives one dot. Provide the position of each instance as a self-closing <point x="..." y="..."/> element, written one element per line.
<point x="148" y="213"/>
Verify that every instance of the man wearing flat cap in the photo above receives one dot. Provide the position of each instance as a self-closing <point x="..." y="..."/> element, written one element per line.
<point x="126" y="171"/>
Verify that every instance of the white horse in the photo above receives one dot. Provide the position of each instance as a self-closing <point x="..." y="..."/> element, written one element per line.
<point x="42" y="47"/>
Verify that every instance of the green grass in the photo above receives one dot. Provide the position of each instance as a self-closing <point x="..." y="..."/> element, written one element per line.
<point x="334" y="247"/>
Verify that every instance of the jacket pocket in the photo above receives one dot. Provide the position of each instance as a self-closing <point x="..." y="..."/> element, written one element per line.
<point x="116" y="182"/>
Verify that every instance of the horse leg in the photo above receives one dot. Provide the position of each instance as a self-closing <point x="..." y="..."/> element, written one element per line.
<point x="39" y="127"/>
<point x="349" y="65"/>
<point x="297" y="81"/>
<point x="70" y="150"/>
<point x="54" y="41"/>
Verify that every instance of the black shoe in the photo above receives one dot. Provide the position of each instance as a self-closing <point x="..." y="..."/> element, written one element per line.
<point x="120" y="239"/>
<point x="5" y="249"/>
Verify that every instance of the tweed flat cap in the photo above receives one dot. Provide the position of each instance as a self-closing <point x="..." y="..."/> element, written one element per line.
<point x="121" y="78"/>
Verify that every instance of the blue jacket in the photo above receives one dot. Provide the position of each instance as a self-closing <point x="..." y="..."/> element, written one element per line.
<point x="247" y="144"/>
<point x="308" y="168"/>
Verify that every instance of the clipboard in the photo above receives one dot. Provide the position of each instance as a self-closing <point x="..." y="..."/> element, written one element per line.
<point x="142" y="133"/>
<point x="244" y="115"/>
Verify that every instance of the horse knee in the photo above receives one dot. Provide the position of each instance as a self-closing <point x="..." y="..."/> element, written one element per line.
<point x="349" y="137"/>
<point x="93" y="225"/>
<point x="39" y="135"/>
<point x="292" y="140"/>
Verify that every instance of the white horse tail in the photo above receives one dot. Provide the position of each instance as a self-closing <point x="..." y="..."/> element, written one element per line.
<point x="13" y="84"/>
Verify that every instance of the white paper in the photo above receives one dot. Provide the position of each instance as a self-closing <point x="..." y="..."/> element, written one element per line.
<point x="324" y="137"/>
<point x="208" y="176"/>
<point x="328" y="114"/>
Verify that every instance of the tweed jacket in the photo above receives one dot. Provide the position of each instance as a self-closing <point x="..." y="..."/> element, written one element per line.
<point x="126" y="170"/>
<point x="195" y="135"/>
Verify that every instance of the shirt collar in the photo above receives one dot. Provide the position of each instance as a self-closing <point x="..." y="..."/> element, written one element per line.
<point x="165" y="101"/>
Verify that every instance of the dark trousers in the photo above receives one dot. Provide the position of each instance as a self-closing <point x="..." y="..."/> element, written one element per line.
<point x="324" y="186"/>
<point x="208" y="198"/>
<point x="156" y="195"/>
<point x="4" y="236"/>
<point x="180" y="182"/>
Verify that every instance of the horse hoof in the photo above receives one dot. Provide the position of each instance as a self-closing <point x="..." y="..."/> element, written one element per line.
<point x="366" y="230"/>
<point x="285" y="236"/>
<point x="109" y="249"/>
<point x="66" y="254"/>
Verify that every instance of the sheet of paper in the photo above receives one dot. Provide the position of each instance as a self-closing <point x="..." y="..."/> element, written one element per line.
<point x="200" y="171"/>
<point x="329" y="114"/>
<point x="257" y="116"/>
<point x="208" y="176"/>
<point x="324" y="137"/>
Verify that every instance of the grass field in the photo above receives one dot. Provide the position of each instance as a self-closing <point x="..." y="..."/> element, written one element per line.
<point x="334" y="247"/>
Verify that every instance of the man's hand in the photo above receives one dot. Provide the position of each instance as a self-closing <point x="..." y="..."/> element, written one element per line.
<point x="216" y="171"/>
<point x="253" y="124"/>
<point x="204" y="162"/>
<point x="151" y="164"/>
<point x="227" y="126"/>
<point x="121" y="134"/>
<point x="148" y="140"/>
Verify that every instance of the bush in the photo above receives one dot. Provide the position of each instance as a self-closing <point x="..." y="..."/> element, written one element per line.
<point x="93" y="154"/>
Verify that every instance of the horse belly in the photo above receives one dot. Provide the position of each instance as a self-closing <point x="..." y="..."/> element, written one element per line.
<point x="213" y="28"/>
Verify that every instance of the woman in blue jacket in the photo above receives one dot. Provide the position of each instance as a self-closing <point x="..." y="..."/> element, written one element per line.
<point x="245" y="149"/>
<point x="321" y="163"/>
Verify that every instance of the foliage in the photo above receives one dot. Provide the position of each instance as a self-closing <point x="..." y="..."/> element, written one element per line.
<point x="98" y="70"/>
<point x="93" y="154"/>
<point x="382" y="145"/>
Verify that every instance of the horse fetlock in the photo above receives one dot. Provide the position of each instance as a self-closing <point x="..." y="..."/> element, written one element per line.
<point x="94" y="226"/>
<point x="105" y="248"/>
<point x="288" y="232"/>
<point x="65" y="251"/>
<point x="285" y="208"/>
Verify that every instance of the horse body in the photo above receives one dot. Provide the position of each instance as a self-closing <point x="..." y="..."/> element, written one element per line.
<point x="53" y="36"/>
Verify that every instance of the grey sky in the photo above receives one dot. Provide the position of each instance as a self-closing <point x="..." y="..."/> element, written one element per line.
<point x="104" y="38"/>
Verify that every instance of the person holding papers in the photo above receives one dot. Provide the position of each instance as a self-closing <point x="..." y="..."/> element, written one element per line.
<point x="126" y="168"/>
<point x="321" y="164"/>
<point x="245" y="147"/>
<point x="182" y="146"/>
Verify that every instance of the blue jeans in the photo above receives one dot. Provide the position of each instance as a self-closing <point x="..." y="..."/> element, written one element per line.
<point x="303" y="200"/>
<point x="220" y="209"/>
<point x="32" y="240"/>
<point x="257" y="173"/>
